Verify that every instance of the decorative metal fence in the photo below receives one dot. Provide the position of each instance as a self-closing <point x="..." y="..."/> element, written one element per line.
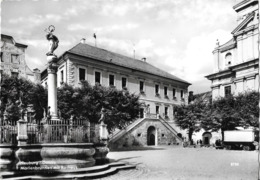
<point x="8" y="132"/>
<point x="64" y="131"/>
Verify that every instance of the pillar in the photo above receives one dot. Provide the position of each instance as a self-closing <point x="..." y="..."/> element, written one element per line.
<point x="52" y="87"/>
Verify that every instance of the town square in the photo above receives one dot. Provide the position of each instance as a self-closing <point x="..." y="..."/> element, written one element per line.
<point x="118" y="89"/>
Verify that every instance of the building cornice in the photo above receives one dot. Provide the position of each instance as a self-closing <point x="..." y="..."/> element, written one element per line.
<point x="244" y="31"/>
<point x="243" y="65"/>
<point x="231" y="46"/>
<point x="219" y="74"/>
<point x="244" y="22"/>
<point x="243" y="4"/>
<point x="232" y="69"/>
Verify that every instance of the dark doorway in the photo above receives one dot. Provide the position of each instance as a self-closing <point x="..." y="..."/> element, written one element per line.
<point x="206" y="140"/>
<point x="206" y="136"/>
<point x="152" y="140"/>
<point x="151" y="135"/>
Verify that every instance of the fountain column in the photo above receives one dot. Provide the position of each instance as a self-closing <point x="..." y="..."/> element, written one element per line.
<point x="52" y="74"/>
<point x="52" y="88"/>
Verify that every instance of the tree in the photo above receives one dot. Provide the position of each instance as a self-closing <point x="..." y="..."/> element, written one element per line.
<point x="86" y="102"/>
<point x="227" y="113"/>
<point x="17" y="94"/>
<point x="190" y="116"/>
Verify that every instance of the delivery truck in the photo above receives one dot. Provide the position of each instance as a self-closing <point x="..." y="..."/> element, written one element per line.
<point x="246" y="139"/>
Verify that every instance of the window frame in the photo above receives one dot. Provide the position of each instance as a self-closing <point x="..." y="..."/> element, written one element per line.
<point x="114" y="77"/>
<point x="229" y="89"/>
<point x="123" y="87"/>
<point x="143" y="85"/>
<point x="174" y="93"/>
<point x="62" y="76"/>
<point x="100" y="77"/>
<point x="155" y="88"/>
<point x="166" y="92"/>
<point x="17" y="60"/>
<point x="157" y="109"/>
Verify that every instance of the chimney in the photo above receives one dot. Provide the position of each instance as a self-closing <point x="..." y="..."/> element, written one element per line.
<point x="144" y="59"/>
<point x="83" y="41"/>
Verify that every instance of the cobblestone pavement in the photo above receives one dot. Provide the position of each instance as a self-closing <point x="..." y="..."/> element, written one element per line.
<point x="177" y="163"/>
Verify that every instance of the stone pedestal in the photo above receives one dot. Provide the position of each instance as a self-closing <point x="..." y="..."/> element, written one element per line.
<point x="54" y="157"/>
<point x="52" y="87"/>
<point x="103" y="133"/>
<point x="22" y="132"/>
<point x="7" y="158"/>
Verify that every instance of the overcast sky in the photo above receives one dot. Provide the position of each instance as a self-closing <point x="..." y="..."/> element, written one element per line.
<point x="177" y="36"/>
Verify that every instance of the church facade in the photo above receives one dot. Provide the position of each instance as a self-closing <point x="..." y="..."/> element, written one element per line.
<point x="236" y="61"/>
<point x="157" y="89"/>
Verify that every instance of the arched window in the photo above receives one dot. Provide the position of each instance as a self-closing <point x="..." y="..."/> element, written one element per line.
<point x="228" y="58"/>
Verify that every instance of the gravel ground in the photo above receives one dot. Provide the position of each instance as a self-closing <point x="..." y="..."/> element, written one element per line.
<point x="177" y="163"/>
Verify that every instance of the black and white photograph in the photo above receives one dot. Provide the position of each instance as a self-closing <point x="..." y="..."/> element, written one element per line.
<point x="129" y="89"/>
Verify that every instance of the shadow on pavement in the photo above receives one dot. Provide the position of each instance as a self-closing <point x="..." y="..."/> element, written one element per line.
<point x="122" y="159"/>
<point x="136" y="149"/>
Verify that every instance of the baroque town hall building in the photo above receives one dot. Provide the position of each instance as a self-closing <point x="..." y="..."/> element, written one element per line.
<point x="157" y="88"/>
<point x="236" y="61"/>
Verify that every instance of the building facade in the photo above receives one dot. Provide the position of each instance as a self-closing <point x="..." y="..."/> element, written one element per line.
<point x="158" y="90"/>
<point x="13" y="61"/>
<point x="236" y="61"/>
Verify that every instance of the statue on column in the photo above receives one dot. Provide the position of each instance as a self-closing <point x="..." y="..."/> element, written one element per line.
<point x="53" y="40"/>
<point x="53" y="44"/>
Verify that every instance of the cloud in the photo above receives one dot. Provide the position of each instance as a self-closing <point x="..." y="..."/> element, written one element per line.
<point x="77" y="27"/>
<point x="35" y="19"/>
<point x="197" y="59"/>
<point x="114" y="9"/>
<point x="116" y="27"/>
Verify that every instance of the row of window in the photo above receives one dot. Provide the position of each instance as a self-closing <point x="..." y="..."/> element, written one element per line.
<point x="82" y="77"/>
<point x="111" y="78"/>
<point x="14" y="58"/>
<point x="157" y="111"/>
<point x="157" y="90"/>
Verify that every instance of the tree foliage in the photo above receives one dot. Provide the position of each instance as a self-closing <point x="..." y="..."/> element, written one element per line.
<point x="86" y="102"/>
<point x="227" y="113"/>
<point x="17" y="94"/>
<point x="190" y="116"/>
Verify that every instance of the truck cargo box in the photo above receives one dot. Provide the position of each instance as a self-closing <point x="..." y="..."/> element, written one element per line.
<point x="239" y="136"/>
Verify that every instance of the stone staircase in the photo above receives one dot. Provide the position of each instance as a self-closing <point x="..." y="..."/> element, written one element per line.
<point x="119" y="133"/>
<point x="170" y="128"/>
<point x="86" y="173"/>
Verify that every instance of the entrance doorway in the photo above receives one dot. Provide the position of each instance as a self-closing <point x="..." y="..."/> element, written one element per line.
<point x="206" y="136"/>
<point x="151" y="136"/>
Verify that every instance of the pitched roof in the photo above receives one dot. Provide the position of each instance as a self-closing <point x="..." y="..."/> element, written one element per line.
<point x="118" y="59"/>
<point x="13" y="41"/>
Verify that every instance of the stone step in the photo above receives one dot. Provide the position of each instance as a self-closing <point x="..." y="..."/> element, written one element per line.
<point x="91" y="172"/>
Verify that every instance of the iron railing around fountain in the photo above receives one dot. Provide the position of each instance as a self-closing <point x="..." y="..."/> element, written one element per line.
<point x="64" y="131"/>
<point x="8" y="132"/>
